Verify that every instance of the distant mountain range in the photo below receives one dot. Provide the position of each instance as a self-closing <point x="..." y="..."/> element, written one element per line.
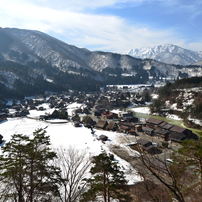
<point x="34" y="62"/>
<point x="168" y="53"/>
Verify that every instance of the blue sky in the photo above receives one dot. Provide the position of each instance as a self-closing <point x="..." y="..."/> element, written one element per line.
<point x="110" y="25"/>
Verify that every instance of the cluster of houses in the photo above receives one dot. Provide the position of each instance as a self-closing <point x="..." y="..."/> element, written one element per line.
<point x="118" y="121"/>
<point x="107" y="99"/>
<point x="22" y="108"/>
<point x="156" y="127"/>
<point x="125" y="122"/>
<point x="95" y="106"/>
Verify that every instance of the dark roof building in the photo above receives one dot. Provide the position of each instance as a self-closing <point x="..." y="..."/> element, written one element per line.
<point x="101" y="124"/>
<point x="162" y="124"/>
<point x="124" y="129"/>
<point x="186" y="132"/>
<point x="167" y="126"/>
<point x="144" y="142"/>
<point x="148" y="130"/>
<point x="162" y="133"/>
<point x="178" y="129"/>
<point x="103" y="137"/>
<point x="177" y="137"/>
<point x="112" y="126"/>
<point x="154" y="121"/>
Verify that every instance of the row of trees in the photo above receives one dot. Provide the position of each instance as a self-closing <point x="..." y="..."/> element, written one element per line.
<point x="30" y="170"/>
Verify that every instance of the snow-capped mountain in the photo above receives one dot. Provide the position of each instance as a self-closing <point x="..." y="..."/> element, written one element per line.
<point x="65" y="57"/>
<point x="168" y="53"/>
<point x="37" y="62"/>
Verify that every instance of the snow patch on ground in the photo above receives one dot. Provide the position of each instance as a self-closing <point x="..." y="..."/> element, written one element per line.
<point x="144" y="110"/>
<point x="65" y="135"/>
<point x="196" y="121"/>
<point x="173" y="116"/>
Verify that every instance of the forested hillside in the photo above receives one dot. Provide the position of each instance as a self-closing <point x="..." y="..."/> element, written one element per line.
<point x="183" y="98"/>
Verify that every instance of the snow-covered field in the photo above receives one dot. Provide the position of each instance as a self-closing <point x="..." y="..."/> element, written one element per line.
<point x="144" y="110"/>
<point x="64" y="135"/>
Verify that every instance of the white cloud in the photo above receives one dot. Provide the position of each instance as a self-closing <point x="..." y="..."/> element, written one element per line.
<point x="65" y="18"/>
<point x="194" y="46"/>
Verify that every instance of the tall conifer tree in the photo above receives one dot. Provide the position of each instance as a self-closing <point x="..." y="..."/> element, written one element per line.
<point x="107" y="181"/>
<point x="26" y="169"/>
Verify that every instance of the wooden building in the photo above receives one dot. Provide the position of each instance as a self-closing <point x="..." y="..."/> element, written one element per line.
<point x="112" y="126"/>
<point x="148" y="131"/>
<point x="101" y="124"/>
<point x="162" y="133"/>
<point x="153" y="123"/>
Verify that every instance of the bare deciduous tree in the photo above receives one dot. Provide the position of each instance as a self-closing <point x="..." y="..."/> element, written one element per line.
<point x="174" y="176"/>
<point x="74" y="164"/>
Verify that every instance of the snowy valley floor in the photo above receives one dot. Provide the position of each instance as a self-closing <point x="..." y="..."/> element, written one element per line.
<point x="65" y="135"/>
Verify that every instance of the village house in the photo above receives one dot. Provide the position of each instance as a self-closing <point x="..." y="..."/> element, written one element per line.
<point x="131" y="125"/>
<point x="167" y="131"/>
<point x="101" y="124"/>
<point x="178" y="134"/>
<point x="112" y="126"/>
<point x="124" y="129"/>
<point x="162" y="124"/>
<point x="148" y="131"/>
<point x="167" y="126"/>
<point x="162" y="133"/>
<point x="153" y="123"/>
<point x="109" y="115"/>
<point x="147" y="146"/>
<point x="132" y="132"/>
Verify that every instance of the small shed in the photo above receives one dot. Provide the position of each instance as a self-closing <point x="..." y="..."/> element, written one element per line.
<point x="77" y="124"/>
<point x="144" y="142"/>
<point x="103" y="138"/>
<point x="138" y="128"/>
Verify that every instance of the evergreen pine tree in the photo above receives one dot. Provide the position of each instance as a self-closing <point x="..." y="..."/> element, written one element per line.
<point x="26" y="169"/>
<point x="107" y="181"/>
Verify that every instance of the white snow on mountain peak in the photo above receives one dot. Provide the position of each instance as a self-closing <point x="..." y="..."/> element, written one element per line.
<point x="167" y="53"/>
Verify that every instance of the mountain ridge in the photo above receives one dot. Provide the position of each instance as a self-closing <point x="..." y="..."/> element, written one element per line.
<point x="30" y="56"/>
<point x="167" y="53"/>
